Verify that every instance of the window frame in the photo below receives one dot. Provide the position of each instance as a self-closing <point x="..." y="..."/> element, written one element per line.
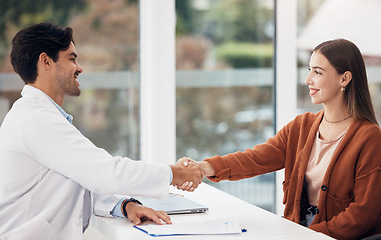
<point x="157" y="76"/>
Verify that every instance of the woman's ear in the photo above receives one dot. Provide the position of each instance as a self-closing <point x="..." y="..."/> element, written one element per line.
<point x="347" y="77"/>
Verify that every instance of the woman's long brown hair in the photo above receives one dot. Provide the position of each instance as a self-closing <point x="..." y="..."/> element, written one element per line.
<point x="345" y="56"/>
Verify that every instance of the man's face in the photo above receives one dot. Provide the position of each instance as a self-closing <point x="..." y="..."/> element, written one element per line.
<point x="67" y="71"/>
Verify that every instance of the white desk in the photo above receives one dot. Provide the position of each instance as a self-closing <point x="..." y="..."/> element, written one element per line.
<point x="260" y="224"/>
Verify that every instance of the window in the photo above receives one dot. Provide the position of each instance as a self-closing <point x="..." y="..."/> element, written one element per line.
<point x="224" y="85"/>
<point x="106" y="37"/>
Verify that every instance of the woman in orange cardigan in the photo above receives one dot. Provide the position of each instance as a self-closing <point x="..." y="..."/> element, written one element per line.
<point x="332" y="159"/>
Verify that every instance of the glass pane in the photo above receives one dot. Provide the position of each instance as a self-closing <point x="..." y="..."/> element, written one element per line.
<point x="106" y="37"/>
<point x="315" y="16"/>
<point x="306" y="10"/>
<point x="224" y="78"/>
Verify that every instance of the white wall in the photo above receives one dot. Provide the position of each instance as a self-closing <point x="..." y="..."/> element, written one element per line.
<point x="286" y="75"/>
<point x="157" y="81"/>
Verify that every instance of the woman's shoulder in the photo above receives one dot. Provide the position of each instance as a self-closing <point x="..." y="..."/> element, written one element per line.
<point x="303" y="123"/>
<point x="307" y="118"/>
<point x="368" y="129"/>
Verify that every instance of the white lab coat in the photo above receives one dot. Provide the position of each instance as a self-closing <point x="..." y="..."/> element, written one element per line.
<point x="46" y="165"/>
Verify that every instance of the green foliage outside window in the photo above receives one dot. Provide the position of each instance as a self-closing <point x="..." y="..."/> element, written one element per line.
<point x="22" y="13"/>
<point x="245" y="55"/>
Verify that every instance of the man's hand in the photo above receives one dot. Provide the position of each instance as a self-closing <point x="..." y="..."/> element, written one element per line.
<point x="137" y="212"/>
<point x="207" y="170"/>
<point x="186" y="171"/>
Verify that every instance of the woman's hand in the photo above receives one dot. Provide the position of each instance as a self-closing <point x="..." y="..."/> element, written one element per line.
<point x="206" y="169"/>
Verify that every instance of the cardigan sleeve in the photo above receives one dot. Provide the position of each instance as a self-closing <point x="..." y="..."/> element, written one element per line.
<point x="279" y="151"/>
<point x="263" y="158"/>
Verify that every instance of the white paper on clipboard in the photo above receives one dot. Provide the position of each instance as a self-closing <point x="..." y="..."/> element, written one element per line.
<point x="192" y="228"/>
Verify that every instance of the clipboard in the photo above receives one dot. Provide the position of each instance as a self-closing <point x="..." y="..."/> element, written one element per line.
<point x="211" y="227"/>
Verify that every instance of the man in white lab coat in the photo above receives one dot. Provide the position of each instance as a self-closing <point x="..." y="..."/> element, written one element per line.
<point x="52" y="178"/>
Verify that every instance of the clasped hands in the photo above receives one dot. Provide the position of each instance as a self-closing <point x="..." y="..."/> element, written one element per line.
<point x="188" y="174"/>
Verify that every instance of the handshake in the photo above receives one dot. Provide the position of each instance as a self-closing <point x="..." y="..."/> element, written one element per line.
<point x="188" y="174"/>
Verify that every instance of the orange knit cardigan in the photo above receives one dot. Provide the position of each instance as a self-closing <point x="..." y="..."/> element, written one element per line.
<point x="350" y="200"/>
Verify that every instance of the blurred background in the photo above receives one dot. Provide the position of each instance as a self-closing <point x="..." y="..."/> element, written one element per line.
<point x="224" y="70"/>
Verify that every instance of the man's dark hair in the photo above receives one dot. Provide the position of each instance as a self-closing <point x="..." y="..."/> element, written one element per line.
<point x="30" y="42"/>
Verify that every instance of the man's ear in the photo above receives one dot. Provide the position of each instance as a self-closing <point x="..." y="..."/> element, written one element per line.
<point x="45" y="61"/>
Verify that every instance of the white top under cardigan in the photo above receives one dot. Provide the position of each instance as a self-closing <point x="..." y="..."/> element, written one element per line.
<point x="46" y="165"/>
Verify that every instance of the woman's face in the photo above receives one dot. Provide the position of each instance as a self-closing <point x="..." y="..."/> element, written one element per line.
<point x="323" y="80"/>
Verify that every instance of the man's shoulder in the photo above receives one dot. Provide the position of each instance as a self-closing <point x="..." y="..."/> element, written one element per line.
<point x="25" y="109"/>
